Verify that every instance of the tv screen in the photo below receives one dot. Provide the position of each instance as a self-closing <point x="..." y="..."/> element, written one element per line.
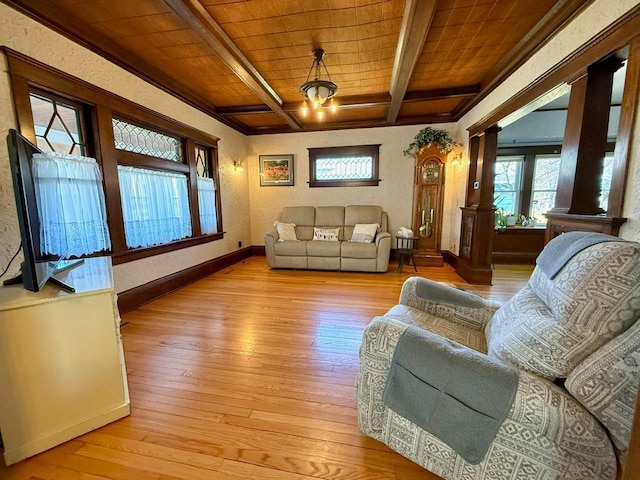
<point x="35" y="269"/>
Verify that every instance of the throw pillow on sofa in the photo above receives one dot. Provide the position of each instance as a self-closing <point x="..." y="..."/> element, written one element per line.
<point x="326" y="234"/>
<point x="364" y="232"/>
<point x="286" y="231"/>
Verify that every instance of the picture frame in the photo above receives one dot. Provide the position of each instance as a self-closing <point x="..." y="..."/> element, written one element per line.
<point x="276" y="170"/>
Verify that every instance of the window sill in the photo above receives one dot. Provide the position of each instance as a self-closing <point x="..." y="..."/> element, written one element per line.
<point x="138" y="253"/>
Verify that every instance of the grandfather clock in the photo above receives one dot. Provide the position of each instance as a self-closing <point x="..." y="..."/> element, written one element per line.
<point x="428" y="190"/>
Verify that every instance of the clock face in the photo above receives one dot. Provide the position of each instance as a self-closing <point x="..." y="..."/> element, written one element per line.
<point x="430" y="172"/>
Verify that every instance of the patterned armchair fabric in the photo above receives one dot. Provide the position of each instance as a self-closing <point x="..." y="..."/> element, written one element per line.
<point x="550" y="326"/>
<point x="582" y="326"/>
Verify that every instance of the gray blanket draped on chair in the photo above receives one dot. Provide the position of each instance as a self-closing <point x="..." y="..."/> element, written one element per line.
<point x="455" y="393"/>
<point x="563" y="247"/>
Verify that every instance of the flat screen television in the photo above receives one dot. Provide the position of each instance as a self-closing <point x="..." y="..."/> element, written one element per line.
<point x="36" y="270"/>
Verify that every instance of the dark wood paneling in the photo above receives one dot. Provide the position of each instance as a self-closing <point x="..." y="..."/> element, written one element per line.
<point x="518" y="245"/>
<point x="136" y="297"/>
<point x="558" y="223"/>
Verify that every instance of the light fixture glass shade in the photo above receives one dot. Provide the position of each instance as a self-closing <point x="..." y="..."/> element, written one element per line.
<point x="321" y="91"/>
<point x="317" y="91"/>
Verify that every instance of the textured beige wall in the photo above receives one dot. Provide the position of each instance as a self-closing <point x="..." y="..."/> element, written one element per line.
<point x="394" y="193"/>
<point x="26" y="36"/>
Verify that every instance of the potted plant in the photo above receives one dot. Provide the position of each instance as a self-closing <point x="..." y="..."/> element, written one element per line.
<point x="430" y="135"/>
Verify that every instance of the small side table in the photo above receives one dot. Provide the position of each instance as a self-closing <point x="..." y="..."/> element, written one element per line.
<point x="406" y="247"/>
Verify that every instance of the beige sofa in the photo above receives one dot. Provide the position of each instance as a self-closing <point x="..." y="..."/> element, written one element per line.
<point x="341" y="253"/>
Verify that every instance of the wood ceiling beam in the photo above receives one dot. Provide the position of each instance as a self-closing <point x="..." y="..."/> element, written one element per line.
<point x="362" y="101"/>
<point x="352" y="124"/>
<point x="193" y="13"/>
<point x="416" y="21"/>
<point x="442" y="93"/>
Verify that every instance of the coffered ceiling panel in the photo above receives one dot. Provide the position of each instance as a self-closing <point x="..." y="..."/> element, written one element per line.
<point x="243" y="61"/>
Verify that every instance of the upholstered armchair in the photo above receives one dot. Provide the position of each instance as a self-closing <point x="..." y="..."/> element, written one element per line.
<point x="540" y="388"/>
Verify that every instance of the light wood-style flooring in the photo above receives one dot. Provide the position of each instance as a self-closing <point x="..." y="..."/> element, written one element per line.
<point x="248" y="374"/>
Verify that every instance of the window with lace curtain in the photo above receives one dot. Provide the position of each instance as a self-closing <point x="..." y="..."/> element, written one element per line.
<point x="71" y="204"/>
<point x="147" y="187"/>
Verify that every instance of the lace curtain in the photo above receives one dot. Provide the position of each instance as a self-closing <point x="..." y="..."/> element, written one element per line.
<point x="207" y="205"/>
<point x="71" y="207"/>
<point x="155" y="206"/>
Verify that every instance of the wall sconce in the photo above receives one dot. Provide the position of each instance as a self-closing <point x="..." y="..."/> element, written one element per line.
<point x="457" y="159"/>
<point x="237" y="166"/>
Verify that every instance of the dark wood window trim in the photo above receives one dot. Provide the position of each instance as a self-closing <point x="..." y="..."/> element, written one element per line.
<point x="28" y="75"/>
<point x="349" y="151"/>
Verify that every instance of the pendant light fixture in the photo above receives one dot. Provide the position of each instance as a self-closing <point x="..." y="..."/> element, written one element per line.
<point x="316" y="92"/>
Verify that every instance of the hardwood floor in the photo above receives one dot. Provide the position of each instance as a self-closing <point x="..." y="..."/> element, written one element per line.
<point x="248" y="374"/>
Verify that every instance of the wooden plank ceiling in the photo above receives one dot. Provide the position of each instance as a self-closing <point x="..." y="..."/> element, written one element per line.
<point x="395" y="62"/>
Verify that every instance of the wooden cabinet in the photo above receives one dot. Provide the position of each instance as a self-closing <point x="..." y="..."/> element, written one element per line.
<point x="62" y="370"/>
<point x="428" y="191"/>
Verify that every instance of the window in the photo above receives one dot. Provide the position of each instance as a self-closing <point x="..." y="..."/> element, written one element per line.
<point x="537" y="174"/>
<point x="508" y="184"/>
<point x="206" y="191"/>
<point x="344" y="166"/>
<point x="58" y="124"/>
<point x="545" y="184"/>
<point x="159" y="177"/>
<point x="137" y="139"/>
<point x="155" y="206"/>
<point x="71" y="205"/>
<point x="605" y="183"/>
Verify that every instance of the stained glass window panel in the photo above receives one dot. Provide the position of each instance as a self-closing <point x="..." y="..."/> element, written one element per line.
<point x="136" y="139"/>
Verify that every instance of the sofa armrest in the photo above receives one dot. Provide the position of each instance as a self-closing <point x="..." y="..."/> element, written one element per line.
<point x="447" y="302"/>
<point x="270" y="239"/>
<point x="383" y="244"/>
<point x="381" y="238"/>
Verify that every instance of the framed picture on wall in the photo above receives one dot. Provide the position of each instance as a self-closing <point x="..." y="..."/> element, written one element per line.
<point x="276" y="170"/>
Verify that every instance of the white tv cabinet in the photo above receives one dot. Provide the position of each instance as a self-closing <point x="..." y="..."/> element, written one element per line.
<point x="62" y="370"/>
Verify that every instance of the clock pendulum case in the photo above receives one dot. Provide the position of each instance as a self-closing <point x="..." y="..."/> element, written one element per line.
<point x="428" y="191"/>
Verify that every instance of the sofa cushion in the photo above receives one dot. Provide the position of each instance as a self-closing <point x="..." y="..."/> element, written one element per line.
<point x="359" y="250"/>
<point x="329" y="216"/>
<point x="606" y="384"/>
<point x="354" y="214"/>
<point x="296" y="248"/>
<point x="286" y="231"/>
<point x="326" y="234"/>
<point x="550" y="326"/>
<point x="364" y="232"/>
<point x="320" y="248"/>
<point x="303" y="217"/>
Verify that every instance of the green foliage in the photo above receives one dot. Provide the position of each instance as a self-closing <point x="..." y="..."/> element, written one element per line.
<point x="428" y="135"/>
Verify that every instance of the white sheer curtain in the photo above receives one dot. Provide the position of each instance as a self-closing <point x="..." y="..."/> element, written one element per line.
<point x="207" y="205"/>
<point x="155" y="206"/>
<point x="71" y="205"/>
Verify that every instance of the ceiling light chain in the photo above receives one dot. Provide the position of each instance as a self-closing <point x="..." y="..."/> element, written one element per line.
<point x="317" y="91"/>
